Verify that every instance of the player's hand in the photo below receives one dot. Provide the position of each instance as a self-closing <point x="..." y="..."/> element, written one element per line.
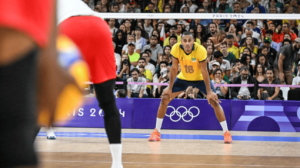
<point x="212" y="96"/>
<point x="281" y="77"/>
<point x="167" y="92"/>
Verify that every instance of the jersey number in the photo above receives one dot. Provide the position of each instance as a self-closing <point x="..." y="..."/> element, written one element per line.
<point x="189" y="69"/>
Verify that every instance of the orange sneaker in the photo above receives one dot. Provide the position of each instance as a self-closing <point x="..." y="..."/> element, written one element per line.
<point x="154" y="136"/>
<point x="227" y="137"/>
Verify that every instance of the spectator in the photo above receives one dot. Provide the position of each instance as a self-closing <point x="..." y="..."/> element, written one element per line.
<point x="235" y="70"/>
<point x="121" y="93"/>
<point x="192" y="7"/>
<point x="156" y="33"/>
<point x="210" y="42"/>
<point x="273" y="9"/>
<point x="115" y="8"/>
<point x="155" y="6"/>
<point x="216" y="65"/>
<point x="207" y="6"/>
<point x="172" y="33"/>
<point x="218" y="39"/>
<point x="227" y="8"/>
<point x="245" y="61"/>
<point x="133" y="56"/>
<point x="259" y="73"/>
<point x="251" y="25"/>
<point x="167" y="53"/>
<point x="122" y="27"/>
<point x="286" y="36"/>
<point x="157" y="75"/>
<point x="271" y="51"/>
<point x="269" y="34"/>
<point x="175" y="8"/>
<point x="125" y="69"/>
<point x="195" y="38"/>
<point x="113" y="29"/>
<point x="144" y="33"/>
<point x="220" y="24"/>
<point x="263" y="50"/>
<point x="147" y="27"/>
<point x="200" y="32"/>
<point x="146" y="72"/>
<point x="130" y="39"/>
<point x="148" y="65"/>
<point x="120" y="41"/>
<point x="164" y="78"/>
<point x="234" y="23"/>
<point x="244" y="4"/>
<point x="147" y="75"/>
<point x="127" y="24"/>
<point x="296" y="80"/>
<point x="178" y="30"/>
<point x="204" y="22"/>
<point x="121" y="6"/>
<point x="249" y="43"/>
<point x="224" y="64"/>
<point x="286" y="29"/>
<point x="243" y="93"/>
<point x="232" y="48"/>
<point x="227" y="55"/>
<point x="221" y="91"/>
<point x="255" y="3"/>
<point x="286" y="56"/>
<point x="135" y="90"/>
<point x="210" y="49"/>
<point x="293" y="24"/>
<point x="156" y="49"/>
<point x="270" y="93"/>
<point x="172" y="40"/>
<point x="139" y="40"/>
<point x="118" y="58"/>
<point x="237" y="9"/>
<point x="213" y="31"/>
<point x="262" y="59"/>
<point x="249" y="33"/>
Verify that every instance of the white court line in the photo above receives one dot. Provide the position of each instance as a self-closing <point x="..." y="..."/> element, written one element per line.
<point x="189" y="164"/>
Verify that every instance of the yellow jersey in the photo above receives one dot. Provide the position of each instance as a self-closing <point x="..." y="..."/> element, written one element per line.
<point x="189" y="63"/>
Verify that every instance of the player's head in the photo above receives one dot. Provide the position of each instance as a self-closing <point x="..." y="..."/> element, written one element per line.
<point x="187" y="41"/>
<point x="142" y="61"/>
<point x="135" y="73"/>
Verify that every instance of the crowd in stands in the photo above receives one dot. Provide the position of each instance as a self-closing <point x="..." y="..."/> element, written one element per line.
<point x="238" y="51"/>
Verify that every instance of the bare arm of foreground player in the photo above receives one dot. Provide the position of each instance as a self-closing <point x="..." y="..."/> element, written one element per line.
<point x="210" y="94"/>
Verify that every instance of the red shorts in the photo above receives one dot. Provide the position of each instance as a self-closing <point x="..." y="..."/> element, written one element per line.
<point x="92" y="36"/>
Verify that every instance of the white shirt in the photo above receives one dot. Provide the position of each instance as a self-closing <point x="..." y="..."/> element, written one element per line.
<point x="136" y="88"/>
<point x="192" y="8"/>
<point x="225" y="65"/>
<point x="137" y="47"/>
<point x="150" y="67"/>
<point x="296" y="80"/>
<point x="118" y="61"/>
<point x="244" y="90"/>
<point x="254" y="35"/>
<point x="69" y="8"/>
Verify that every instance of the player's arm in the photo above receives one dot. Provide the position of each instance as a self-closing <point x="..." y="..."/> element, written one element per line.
<point x="173" y="72"/>
<point x="203" y="65"/>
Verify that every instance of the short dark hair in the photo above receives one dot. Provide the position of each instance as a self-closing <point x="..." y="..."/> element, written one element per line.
<point x="270" y="69"/>
<point x="144" y="53"/>
<point x="216" y="70"/>
<point x="244" y="68"/>
<point x="218" y="54"/>
<point x="150" y="3"/>
<point x="212" y="23"/>
<point x="148" y="50"/>
<point x="223" y="43"/>
<point x="286" y="40"/>
<point x="237" y="61"/>
<point x="135" y="70"/>
<point x="154" y="36"/>
<point x="229" y="36"/>
<point x="269" y="32"/>
<point x="287" y="24"/>
<point x="222" y="7"/>
<point x="121" y="93"/>
<point x="142" y="59"/>
<point x="250" y="22"/>
<point x="172" y="36"/>
<point x="187" y="33"/>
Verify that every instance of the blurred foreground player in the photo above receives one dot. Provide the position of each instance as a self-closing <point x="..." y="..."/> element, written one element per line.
<point x="92" y="36"/>
<point x="31" y="78"/>
<point x="192" y="59"/>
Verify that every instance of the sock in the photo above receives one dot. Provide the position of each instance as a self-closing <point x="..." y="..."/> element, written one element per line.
<point x="116" y="153"/>
<point x="158" y="123"/>
<point x="224" y="126"/>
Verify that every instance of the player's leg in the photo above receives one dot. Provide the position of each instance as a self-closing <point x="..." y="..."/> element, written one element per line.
<point x="107" y="102"/>
<point x="178" y="87"/>
<point x="219" y="112"/>
<point x="18" y="64"/>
